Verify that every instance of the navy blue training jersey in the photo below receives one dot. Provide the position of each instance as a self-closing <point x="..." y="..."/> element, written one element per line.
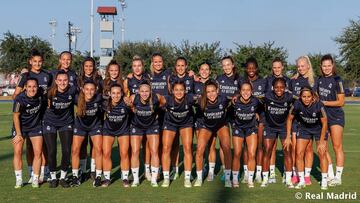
<point x="245" y="114"/>
<point x="229" y="85"/>
<point x="134" y="83"/>
<point x="145" y="115"/>
<point x="214" y="115"/>
<point x="30" y="109"/>
<point x="179" y="113"/>
<point x="259" y="87"/>
<point x="308" y="116"/>
<point x="61" y="109"/>
<point x="277" y="109"/>
<point x="93" y="114"/>
<point x="73" y="77"/>
<point x="118" y="119"/>
<point x="298" y="83"/>
<point x="188" y="81"/>
<point x="271" y="78"/>
<point x="329" y="87"/>
<point x="159" y="82"/>
<point x="44" y="79"/>
<point x="198" y="88"/>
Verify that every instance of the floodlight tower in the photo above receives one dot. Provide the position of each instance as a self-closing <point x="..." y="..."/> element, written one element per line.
<point x="106" y="34"/>
<point x="122" y="20"/>
<point x="53" y="25"/>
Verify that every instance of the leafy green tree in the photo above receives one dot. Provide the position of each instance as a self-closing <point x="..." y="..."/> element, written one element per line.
<point x="349" y="45"/>
<point x="15" y="51"/>
<point x="264" y="55"/>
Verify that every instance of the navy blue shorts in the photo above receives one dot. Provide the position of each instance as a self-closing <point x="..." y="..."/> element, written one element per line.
<point x="136" y="131"/>
<point x="116" y="133"/>
<point x="175" y="127"/>
<point x="310" y="134"/>
<point x="212" y="129"/>
<point x="48" y="129"/>
<point x="273" y="133"/>
<point x="243" y="132"/>
<point x="78" y="131"/>
<point x="37" y="131"/>
<point x="295" y="126"/>
<point x="336" y="119"/>
<point x="262" y="118"/>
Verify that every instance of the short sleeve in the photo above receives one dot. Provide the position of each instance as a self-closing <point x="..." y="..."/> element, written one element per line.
<point x="17" y="106"/>
<point x="339" y="86"/>
<point x="22" y="80"/>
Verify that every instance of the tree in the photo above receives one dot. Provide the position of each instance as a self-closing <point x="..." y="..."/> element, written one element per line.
<point x="198" y="53"/>
<point x="349" y="42"/>
<point x="264" y="55"/>
<point x="15" y="51"/>
<point x="126" y="51"/>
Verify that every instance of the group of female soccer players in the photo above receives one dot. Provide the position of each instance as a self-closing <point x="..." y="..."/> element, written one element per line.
<point x="153" y="110"/>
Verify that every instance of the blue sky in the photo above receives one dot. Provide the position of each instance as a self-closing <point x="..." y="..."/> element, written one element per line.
<point x="302" y="27"/>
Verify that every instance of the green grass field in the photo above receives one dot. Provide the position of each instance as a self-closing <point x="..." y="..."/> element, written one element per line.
<point x="210" y="192"/>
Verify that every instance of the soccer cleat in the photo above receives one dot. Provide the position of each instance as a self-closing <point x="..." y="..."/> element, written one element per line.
<point x="97" y="182"/>
<point x="106" y="183"/>
<point x="295" y="179"/>
<point x="92" y="175"/>
<point x="126" y="183"/>
<point x="245" y="179"/>
<point x="187" y="183"/>
<point x="154" y="184"/>
<point x="83" y="177"/>
<point x="258" y="178"/>
<point x="272" y="178"/>
<point x="18" y="184"/>
<point x="198" y="182"/>
<point x="53" y="183"/>
<point x="323" y="187"/>
<point x="307" y="180"/>
<point x="300" y="186"/>
<point x="35" y="184"/>
<point x="235" y="183"/>
<point x="251" y="184"/>
<point x="148" y="176"/>
<point x="335" y="182"/>
<point x="63" y="183"/>
<point x="228" y="183"/>
<point x="289" y="185"/>
<point x="75" y="182"/>
<point x="210" y="177"/>
<point x="166" y="183"/>
<point x="135" y="184"/>
<point x="264" y="183"/>
<point x="30" y="180"/>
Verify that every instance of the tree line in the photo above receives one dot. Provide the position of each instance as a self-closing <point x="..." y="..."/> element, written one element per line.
<point x="15" y="49"/>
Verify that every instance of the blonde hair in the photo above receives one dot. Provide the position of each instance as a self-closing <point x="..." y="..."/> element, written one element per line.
<point x="310" y="74"/>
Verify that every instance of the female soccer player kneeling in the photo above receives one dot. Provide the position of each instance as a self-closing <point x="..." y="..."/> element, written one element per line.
<point x="213" y="119"/>
<point x="88" y="122"/>
<point x="145" y="106"/>
<point x="27" y="123"/>
<point x="311" y="115"/>
<point x="244" y="128"/>
<point x="116" y="124"/>
<point x="178" y="118"/>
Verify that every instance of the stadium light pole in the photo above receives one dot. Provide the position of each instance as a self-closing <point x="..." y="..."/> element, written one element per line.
<point x="123" y="6"/>
<point x="53" y="25"/>
<point x="92" y="29"/>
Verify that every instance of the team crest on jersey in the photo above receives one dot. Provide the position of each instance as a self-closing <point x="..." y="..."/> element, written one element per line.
<point x="239" y="109"/>
<point x="71" y="78"/>
<point x="285" y="104"/>
<point x="186" y="106"/>
<point x="221" y="106"/>
<point x="259" y="88"/>
<point x="330" y="85"/>
<point x="252" y="108"/>
<point x="297" y="83"/>
<point x="320" y="82"/>
<point x="134" y="85"/>
<point x="235" y="82"/>
<point x="122" y="111"/>
<point x="45" y="79"/>
<point x="164" y="77"/>
<point x="222" y="81"/>
<point x="27" y="105"/>
<point x="314" y="114"/>
<point x="95" y="105"/>
<point x="272" y="103"/>
<point x="70" y="97"/>
<point x="55" y="98"/>
<point x="187" y="82"/>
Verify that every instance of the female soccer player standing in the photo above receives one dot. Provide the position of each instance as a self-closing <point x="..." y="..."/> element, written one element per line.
<point x="303" y="77"/>
<point x="27" y="117"/>
<point x="112" y="76"/>
<point x="59" y="118"/>
<point x="145" y="106"/>
<point x="131" y="85"/>
<point x="244" y="128"/>
<point x="277" y="104"/>
<point x="65" y="59"/>
<point x="311" y="115"/>
<point x="331" y="92"/>
<point x="116" y="124"/>
<point x="88" y="122"/>
<point x="213" y="120"/>
<point x="178" y="118"/>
